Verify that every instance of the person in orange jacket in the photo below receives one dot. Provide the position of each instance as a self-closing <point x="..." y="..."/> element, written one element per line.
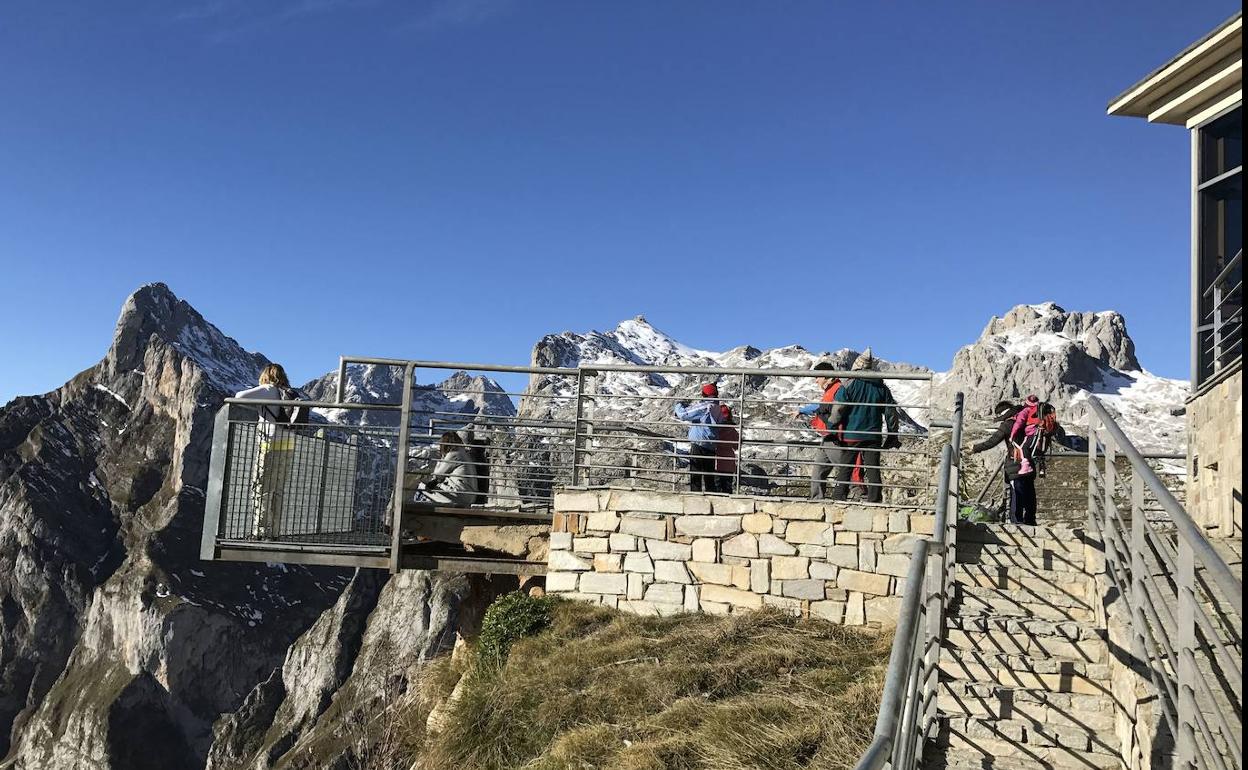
<point x="830" y="440"/>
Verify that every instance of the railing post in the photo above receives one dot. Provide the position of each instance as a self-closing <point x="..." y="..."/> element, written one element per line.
<point x="1093" y="521"/>
<point x="1139" y="568"/>
<point x="400" y="469"/>
<point x="740" y="437"/>
<point x="1185" y="580"/>
<point x="341" y="391"/>
<point x="577" y="425"/>
<point x="1217" y="327"/>
<point x="218" y="470"/>
<point x="959" y="401"/>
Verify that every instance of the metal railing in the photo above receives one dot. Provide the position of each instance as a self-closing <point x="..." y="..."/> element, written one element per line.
<point x="1185" y="602"/>
<point x="1220" y="333"/>
<point x="595" y="425"/>
<point x="908" y="706"/>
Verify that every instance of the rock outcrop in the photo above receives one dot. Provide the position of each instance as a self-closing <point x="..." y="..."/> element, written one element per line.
<point x="326" y="705"/>
<point x="121" y="648"/>
<point x="1064" y="357"/>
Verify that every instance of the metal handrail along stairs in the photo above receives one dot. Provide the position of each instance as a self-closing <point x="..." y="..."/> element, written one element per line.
<point x="908" y="706"/>
<point x="1183" y="599"/>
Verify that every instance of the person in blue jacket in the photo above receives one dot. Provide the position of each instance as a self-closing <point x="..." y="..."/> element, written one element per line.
<point x="704" y="416"/>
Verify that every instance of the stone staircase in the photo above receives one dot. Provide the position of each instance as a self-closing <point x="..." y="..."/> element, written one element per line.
<point x="1025" y="676"/>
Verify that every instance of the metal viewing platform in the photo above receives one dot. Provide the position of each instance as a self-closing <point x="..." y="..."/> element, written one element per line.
<point x="328" y="492"/>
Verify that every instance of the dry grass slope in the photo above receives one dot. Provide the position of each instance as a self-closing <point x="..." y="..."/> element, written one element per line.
<point x="603" y="689"/>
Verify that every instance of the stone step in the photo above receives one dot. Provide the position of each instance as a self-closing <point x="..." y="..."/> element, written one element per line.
<point x="1013" y="556"/>
<point x="1061" y="711"/>
<point x="1035" y="539"/>
<point x="1091" y="649"/>
<point x="1020" y="670"/>
<point x="972" y="601"/>
<point x="1044" y="747"/>
<point x="1013" y="671"/>
<point x="1027" y="581"/>
<point x="945" y="758"/>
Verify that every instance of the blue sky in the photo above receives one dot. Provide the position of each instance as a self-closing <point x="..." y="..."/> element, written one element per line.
<point x="453" y="179"/>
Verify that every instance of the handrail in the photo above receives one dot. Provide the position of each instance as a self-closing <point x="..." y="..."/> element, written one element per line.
<point x="591" y="368"/>
<point x="312" y="404"/>
<point x="1184" y="524"/>
<point x="1226" y="270"/>
<point x="894" y="743"/>
<point x="1181" y="630"/>
<point x="893" y="700"/>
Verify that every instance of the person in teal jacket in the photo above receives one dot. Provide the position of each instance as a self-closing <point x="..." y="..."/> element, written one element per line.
<point x="865" y="413"/>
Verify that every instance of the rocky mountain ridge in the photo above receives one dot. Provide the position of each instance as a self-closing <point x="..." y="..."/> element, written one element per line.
<point x="1064" y="357"/>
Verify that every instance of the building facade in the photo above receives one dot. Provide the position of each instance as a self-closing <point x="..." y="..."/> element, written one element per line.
<point x="1201" y="89"/>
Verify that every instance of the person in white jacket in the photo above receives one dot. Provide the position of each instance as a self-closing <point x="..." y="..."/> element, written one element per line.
<point x="454" y="478"/>
<point x="276" y="452"/>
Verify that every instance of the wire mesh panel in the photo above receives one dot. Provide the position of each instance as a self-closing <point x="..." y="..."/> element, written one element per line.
<point x="308" y="484"/>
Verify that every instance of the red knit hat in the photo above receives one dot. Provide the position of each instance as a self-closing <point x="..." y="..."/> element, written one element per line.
<point x="710" y="391"/>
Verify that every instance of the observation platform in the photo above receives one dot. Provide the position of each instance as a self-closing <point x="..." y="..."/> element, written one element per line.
<point x="328" y="492"/>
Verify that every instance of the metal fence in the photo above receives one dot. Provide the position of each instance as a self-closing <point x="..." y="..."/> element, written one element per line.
<point x="908" y="712"/>
<point x="340" y="481"/>
<point x="318" y="483"/>
<point x="1220" y="333"/>
<point x="1185" y="602"/>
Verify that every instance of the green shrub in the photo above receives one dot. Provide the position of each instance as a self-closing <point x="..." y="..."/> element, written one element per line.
<point x="511" y="617"/>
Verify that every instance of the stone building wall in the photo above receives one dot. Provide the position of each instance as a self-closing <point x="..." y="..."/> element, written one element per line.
<point x="1215" y="458"/>
<point x="664" y="553"/>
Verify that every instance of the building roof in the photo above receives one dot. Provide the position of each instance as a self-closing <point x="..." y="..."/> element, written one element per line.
<point x="1203" y="80"/>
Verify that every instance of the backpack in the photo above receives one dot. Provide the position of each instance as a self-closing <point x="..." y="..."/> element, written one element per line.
<point x="1044" y="420"/>
<point x="293" y="415"/>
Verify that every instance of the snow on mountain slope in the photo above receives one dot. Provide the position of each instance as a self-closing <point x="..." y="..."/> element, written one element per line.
<point x="453" y="401"/>
<point x="636" y="342"/>
<point x="1062" y="356"/>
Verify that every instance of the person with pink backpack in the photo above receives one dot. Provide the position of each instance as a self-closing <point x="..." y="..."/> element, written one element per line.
<point x="1033" y="424"/>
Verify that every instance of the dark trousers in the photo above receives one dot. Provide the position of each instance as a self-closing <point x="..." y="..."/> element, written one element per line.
<point x="845" y="457"/>
<point x="1023" y="500"/>
<point x="702" y="469"/>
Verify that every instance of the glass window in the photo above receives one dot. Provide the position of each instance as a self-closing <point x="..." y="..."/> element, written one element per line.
<point x="1220" y="244"/>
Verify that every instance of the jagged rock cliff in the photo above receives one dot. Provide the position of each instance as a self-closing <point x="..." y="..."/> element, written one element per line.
<point x="324" y="707"/>
<point x="120" y="647"/>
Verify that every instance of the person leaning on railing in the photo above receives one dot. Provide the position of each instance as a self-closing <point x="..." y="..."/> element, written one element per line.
<point x="865" y="414"/>
<point x="276" y="449"/>
<point x="829" y="440"/>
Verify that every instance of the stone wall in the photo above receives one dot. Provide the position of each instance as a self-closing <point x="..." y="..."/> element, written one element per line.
<point x="664" y="553"/>
<point x="1215" y="460"/>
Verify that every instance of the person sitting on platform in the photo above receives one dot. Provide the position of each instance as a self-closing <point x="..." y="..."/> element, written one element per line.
<point x="453" y="481"/>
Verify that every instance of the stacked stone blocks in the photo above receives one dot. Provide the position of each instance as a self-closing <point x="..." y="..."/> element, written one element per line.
<point x="662" y="553"/>
<point x="1215" y="464"/>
